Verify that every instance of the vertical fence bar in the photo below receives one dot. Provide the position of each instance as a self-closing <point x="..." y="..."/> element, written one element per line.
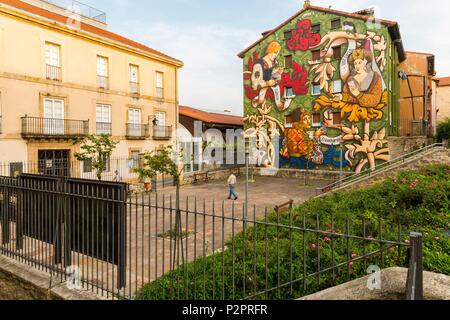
<point x="415" y="271"/>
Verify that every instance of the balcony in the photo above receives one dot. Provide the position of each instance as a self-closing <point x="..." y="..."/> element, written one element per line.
<point x="103" y="82"/>
<point x="46" y="128"/>
<point x="134" y="87"/>
<point x="137" y="131"/>
<point x="53" y="73"/>
<point x="162" y="132"/>
<point x="103" y="128"/>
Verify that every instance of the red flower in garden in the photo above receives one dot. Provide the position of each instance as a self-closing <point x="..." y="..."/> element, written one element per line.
<point x="313" y="246"/>
<point x="327" y="239"/>
<point x="303" y="38"/>
<point x="437" y="238"/>
<point x="407" y="241"/>
<point x="354" y="255"/>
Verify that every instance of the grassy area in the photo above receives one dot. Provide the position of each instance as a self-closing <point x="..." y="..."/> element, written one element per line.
<point x="267" y="256"/>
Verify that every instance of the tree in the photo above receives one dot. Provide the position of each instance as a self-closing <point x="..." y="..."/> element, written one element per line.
<point x="97" y="150"/>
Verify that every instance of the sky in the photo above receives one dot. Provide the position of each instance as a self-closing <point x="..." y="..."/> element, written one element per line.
<point x="207" y="35"/>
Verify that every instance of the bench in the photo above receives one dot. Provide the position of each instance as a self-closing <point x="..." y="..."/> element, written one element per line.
<point x="201" y="177"/>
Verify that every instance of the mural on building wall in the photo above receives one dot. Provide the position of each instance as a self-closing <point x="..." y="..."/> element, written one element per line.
<point x="351" y="89"/>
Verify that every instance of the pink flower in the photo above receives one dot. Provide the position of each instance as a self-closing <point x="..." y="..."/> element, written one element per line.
<point x="404" y="181"/>
<point x="407" y="241"/>
<point x="327" y="239"/>
<point x="313" y="246"/>
<point x="350" y="264"/>
<point x="437" y="238"/>
<point x="354" y="255"/>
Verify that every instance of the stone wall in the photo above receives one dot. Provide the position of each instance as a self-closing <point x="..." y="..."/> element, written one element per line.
<point x="393" y="284"/>
<point x="400" y="146"/>
<point x="21" y="282"/>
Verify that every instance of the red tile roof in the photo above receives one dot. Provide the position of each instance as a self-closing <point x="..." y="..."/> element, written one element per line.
<point x="314" y="8"/>
<point x="209" y="117"/>
<point x="86" y="27"/>
<point x="444" y="82"/>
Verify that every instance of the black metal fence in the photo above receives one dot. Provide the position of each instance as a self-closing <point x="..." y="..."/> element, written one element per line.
<point x="143" y="247"/>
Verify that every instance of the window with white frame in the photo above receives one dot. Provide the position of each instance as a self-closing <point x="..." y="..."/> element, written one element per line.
<point x="103" y="119"/>
<point x="53" y="116"/>
<point x="102" y="72"/>
<point x="53" y="61"/>
<point x="134" y="78"/>
<point x="159" y="84"/>
<point x="336" y="86"/>
<point x="160" y="130"/>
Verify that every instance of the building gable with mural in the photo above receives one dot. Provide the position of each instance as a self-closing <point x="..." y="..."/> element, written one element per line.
<point x="326" y="83"/>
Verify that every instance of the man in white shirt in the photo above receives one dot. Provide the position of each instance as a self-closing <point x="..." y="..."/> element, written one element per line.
<point x="232" y="184"/>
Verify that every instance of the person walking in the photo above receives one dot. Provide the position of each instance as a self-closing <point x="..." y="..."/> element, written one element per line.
<point x="232" y="184"/>
<point x="117" y="177"/>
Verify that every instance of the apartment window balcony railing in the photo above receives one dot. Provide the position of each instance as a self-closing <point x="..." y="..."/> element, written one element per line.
<point x="137" y="131"/>
<point x="134" y="87"/>
<point x="33" y="127"/>
<point x="162" y="132"/>
<point x="53" y="72"/>
<point x="103" y="82"/>
<point x="103" y="128"/>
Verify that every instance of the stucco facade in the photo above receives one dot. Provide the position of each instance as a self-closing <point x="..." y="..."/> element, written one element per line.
<point x="136" y="78"/>
<point x="443" y="99"/>
<point x="326" y="83"/>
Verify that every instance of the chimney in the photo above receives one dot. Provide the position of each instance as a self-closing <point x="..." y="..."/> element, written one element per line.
<point x="369" y="12"/>
<point x="306" y="4"/>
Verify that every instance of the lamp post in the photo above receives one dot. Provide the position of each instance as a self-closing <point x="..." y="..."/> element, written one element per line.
<point x="247" y="154"/>
<point x="341" y="173"/>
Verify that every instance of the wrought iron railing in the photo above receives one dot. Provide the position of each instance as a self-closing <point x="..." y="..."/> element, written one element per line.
<point x="33" y="127"/>
<point x="103" y="82"/>
<point x="103" y="128"/>
<point x="162" y="132"/>
<point x="137" y="131"/>
<point x="53" y="72"/>
<point x="134" y="87"/>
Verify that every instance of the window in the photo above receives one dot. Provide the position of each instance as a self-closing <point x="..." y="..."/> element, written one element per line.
<point x="102" y="72"/>
<point x="159" y="85"/>
<point x="103" y="118"/>
<point x="337" y="118"/>
<point x="287" y="35"/>
<point x="316" y="120"/>
<point x="160" y="130"/>
<point x="315" y="28"/>
<point x="337" y="53"/>
<point x="315" y="55"/>
<point x="134" y="116"/>
<point x="289" y="92"/>
<point x="288" y="61"/>
<point x="336" y="24"/>
<point x="134" y="79"/>
<point x="288" y="121"/>
<point x="160" y="118"/>
<point x="336" y="86"/>
<point x="53" y="61"/>
<point x="316" y="89"/>
<point x="134" y="159"/>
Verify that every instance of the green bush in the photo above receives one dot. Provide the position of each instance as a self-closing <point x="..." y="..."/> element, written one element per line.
<point x="443" y="130"/>
<point x="266" y="256"/>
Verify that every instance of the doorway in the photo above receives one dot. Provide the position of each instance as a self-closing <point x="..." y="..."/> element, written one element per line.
<point x="54" y="162"/>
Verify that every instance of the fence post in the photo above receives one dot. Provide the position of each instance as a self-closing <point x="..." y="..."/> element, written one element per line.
<point x="415" y="271"/>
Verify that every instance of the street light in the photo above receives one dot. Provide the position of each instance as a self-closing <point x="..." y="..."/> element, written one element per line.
<point x="247" y="154"/>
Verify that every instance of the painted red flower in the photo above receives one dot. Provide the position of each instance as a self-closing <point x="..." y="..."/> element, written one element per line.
<point x="297" y="80"/>
<point x="303" y="38"/>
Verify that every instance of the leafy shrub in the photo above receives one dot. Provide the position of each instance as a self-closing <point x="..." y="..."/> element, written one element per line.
<point x="443" y="130"/>
<point x="268" y="256"/>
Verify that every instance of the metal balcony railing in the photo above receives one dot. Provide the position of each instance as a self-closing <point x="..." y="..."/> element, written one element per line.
<point x="134" y="87"/>
<point x="53" y="72"/>
<point x="53" y="128"/>
<point x="103" y="128"/>
<point x="103" y="82"/>
<point x="81" y="9"/>
<point x="137" y="131"/>
<point x="162" y="132"/>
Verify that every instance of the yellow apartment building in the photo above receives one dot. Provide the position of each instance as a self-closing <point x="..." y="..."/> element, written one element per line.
<point x="63" y="75"/>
